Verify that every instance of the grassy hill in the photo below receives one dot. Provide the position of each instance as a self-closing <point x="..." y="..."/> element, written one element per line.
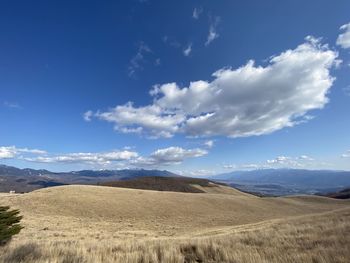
<point x="89" y="216"/>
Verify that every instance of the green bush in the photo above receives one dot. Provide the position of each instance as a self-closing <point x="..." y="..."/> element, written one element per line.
<point x="9" y="224"/>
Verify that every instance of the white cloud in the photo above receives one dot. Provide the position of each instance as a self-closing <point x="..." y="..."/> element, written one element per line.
<point x="251" y="166"/>
<point x="90" y="158"/>
<point x="346" y="154"/>
<point x="137" y="61"/>
<point x="169" y="156"/>
<point x="88" y="115"/>
<point x="250" y="100"/>
<point x="9" y="152"/>
<point x="344" y="38"/>
<point x="213" y="34"/>
<point x="197" y="11"/>
<point x="209" y="143"/>
<point x="284" y="161"/>
<point x="279" y="159"/>
<point x="187" y="51"/>
<point x="128" y="119"/>
<point x="229" y="166"/>
<point x="305" y="157"/>
<point x="126" y="157"/>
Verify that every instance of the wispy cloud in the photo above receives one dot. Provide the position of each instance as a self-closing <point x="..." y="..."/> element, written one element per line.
<point x="12" y="105"/>
<point x="187" y="51"/>
<point x="171" y="41"/>
<point x="213" y="34"/>
<point x="209" y="143"/>
<point x="346" y="91"/>
<point x="302" y="161"/>
<point x="285" y="161"/>
<point x="137" y="61"/>
<point x="197" y="11"/>
<point x="346" y="154"/>
<point x="88" y="115"/>
<point x="157" y="62"/>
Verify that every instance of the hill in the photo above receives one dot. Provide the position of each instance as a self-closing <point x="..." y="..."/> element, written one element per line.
<point x="129" y="225"/>
<point x="150" y="212"/>
<point x="286" y="181"/>
<point x="173" y="184"/>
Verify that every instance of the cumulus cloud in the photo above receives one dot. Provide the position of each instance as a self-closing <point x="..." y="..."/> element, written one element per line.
<point x="246" y="101"/>
<point x="169" y="156"/>
<point x="213" y="34"/>
<point x="187" y="51"/>
<point x="344" y="38"/>
<point x="8" y="152"/>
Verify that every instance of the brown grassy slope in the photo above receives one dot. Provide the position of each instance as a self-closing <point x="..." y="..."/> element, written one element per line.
<point x="83" y="212"/>
<point x="159" y="183"/>
<point x="317" y="238"/>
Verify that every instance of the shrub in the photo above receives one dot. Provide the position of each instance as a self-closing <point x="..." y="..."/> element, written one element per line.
<point x="9" y="224"/>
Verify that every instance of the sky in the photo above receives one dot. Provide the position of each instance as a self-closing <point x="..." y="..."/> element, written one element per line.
<point x="194" y="87"/>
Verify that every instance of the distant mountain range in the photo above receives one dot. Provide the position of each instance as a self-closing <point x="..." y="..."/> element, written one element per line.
<point x="264" y="182"/>
<point x="286" y="181"/>
<point x="25" y="180"/>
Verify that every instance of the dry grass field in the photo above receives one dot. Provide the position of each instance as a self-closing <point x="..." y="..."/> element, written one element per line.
<point x="106" y="224"/>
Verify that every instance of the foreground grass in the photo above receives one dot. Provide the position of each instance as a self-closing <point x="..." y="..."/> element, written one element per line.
<point x="317" y="238"/>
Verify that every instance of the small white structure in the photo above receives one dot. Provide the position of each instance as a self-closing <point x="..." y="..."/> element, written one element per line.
<point x="12" y="192"/>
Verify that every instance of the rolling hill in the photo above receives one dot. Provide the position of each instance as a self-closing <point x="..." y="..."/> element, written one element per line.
<point x="82" y="223"/>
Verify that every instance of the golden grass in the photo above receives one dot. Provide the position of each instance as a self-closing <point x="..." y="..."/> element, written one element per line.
<point x="101" y="224"/>
<point x="323" y="238"/>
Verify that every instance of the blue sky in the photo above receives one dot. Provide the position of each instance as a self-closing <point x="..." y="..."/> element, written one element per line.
<point x="130" y="84"/>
